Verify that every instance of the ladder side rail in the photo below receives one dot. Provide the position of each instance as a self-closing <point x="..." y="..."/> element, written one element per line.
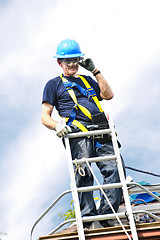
<point x="123" y="181"/>
<point x="46" y="211"/>
<point x="74" y="192"/>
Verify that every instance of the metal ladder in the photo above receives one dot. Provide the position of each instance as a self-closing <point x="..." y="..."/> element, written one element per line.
<point x="123" y="212"/>
<point x="122" y="184"/>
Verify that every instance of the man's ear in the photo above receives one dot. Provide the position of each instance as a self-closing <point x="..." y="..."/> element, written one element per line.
<point x="59" y="62"/>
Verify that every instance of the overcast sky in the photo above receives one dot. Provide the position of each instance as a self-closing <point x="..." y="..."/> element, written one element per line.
<point x="122" y="37"/>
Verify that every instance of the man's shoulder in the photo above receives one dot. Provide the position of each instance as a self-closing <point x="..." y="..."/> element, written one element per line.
<point x="86" y="76"/>
<point x="89" y="79"/>
<point x="54" y="81"/>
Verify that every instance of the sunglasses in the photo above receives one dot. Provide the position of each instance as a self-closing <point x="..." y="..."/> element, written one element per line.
<point x="70" y="61"/>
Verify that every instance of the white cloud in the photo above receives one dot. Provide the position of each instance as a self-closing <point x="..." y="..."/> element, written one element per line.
<point x="32" y="167"/>
<point x="121" y="37"/>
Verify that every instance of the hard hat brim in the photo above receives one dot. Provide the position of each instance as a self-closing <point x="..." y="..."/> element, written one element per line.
<point x="69" y="55"/>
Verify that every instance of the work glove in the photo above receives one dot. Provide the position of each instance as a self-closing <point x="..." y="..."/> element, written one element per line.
<point x="87" y="64"/>
<point x="62" y="129"/>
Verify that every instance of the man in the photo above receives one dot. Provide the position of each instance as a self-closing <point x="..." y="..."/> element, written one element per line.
<point x="76" y="99"/>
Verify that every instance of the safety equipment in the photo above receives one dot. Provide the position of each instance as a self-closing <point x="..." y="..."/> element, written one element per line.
<point x="62" y="129"/>
<point x="89" y="93"/>
<point x="71" y="61"/>
<point x="115" y="161"/>
<point x="88" y="64"/>
<point x="68" y="49"/>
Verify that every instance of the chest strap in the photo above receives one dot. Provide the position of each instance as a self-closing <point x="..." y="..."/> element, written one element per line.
<point x="92" y="95"/>
<point x="89" y="93"/>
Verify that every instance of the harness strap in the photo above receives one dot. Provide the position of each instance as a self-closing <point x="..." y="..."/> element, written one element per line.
<point x="89" y="92"/>
<point x="79" y="125"/>
<point x="94" y="97"/>
<point x="73" y="96"/>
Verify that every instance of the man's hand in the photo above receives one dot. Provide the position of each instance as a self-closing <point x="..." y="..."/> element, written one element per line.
<point x="87" y="64"/>
<point x="62" y="129"/>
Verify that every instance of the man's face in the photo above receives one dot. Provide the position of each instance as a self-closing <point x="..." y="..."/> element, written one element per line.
<point x="70" y="66"/>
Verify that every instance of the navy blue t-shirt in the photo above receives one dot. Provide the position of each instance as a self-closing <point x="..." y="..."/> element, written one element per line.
<point x="56" y="95"/>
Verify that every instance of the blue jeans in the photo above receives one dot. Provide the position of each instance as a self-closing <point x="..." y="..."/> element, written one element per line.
<point x="84" y="147"/>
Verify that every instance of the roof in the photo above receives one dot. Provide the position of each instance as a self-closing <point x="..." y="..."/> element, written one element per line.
<point x="149" y="231"/>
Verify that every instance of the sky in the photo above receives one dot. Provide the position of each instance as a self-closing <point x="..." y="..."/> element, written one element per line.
<point x="122" y="38"/>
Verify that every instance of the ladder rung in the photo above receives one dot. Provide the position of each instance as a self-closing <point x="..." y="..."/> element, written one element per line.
<point x="89" y="133"/>
<point x="95" y="159"/>
<point x="103" y="217"/>
<point x="112" y="216"/>
<point x="97" y="187"/>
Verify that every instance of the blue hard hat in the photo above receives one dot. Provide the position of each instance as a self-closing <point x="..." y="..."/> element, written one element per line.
<point x="68" y="49"/>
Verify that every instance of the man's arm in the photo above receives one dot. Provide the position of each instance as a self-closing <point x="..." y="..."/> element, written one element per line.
<point x="105" y="89"/>
<point x="46" y="118"/>
<point x="61" y="128"/>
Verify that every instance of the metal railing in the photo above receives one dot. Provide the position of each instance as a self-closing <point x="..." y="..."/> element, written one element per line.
<point x="121" y="213"/>
<point x="46" y="211"/>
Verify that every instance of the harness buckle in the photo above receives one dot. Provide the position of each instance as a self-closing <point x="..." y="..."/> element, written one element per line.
<point x="94" y="127"/>
<point x="90" y="96"/>
<point x="69" y="88"/>
<point x="75" y="106"/>
<point x="98" y="136"/>
<point x="90" y="93"/>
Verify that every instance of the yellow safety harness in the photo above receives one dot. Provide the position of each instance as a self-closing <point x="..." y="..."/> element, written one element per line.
<point x="77" y="105"/>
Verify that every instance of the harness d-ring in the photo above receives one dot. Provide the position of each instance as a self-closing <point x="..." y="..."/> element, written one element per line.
<point x="79" y="168"/>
